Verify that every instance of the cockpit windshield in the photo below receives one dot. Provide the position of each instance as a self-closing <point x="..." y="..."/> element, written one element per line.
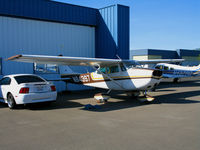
<point x="132" y="64"/>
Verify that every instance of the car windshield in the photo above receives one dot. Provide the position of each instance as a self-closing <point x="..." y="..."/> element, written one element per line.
<point x="28" y="79"/>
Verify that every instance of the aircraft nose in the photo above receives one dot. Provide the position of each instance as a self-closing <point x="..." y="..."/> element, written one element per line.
<point x="157" y="73"/>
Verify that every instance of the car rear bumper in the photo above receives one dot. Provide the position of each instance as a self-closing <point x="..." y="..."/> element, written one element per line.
<point x="35" y="97"/>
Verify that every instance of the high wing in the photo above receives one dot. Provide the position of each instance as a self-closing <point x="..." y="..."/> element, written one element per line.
<point x="80" y="61"/>
<point x="64" y="60"/>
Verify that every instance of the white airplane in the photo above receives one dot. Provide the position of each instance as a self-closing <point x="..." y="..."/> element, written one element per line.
<point x="177" y="72"/>
<point x="111" y="74"/>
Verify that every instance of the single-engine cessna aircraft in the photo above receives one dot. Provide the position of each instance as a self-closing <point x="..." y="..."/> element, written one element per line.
<point x="176" y="72"/>
<point x="111" y="74"/>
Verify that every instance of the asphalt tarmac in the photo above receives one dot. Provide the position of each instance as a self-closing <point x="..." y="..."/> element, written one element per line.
<point x="171" y="122"/>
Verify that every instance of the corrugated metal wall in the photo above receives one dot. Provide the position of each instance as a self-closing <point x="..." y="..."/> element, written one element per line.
<point x="23" y="36"/>
<point x="112" y="34"/>
<point x="192" y="57"/>
<point x="109" y="15"/>
<point x="123" y="32"/>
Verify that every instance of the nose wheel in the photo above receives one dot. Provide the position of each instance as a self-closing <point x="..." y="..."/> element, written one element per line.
<point x="101" y="98"/>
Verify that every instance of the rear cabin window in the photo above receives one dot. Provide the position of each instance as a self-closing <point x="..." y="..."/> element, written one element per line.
<point x="28" y="79"/>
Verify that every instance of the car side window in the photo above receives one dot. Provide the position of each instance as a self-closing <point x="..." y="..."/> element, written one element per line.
<point x="5" y="81"/>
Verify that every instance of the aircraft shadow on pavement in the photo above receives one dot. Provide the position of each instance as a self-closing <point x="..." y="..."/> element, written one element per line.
<point x="177" y="98"/>
<point x="122" y="101"/>
<point x="180" y="84"/>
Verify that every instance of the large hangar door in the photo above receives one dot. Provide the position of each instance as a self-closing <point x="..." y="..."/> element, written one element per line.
<point x="42" y="37"/>
<point x="26" y="36"/>
<point x="46" y="38"/>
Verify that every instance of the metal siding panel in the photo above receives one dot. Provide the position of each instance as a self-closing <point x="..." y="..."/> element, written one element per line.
<point x="187" y="52"/>
<point x="109" y="15"/>
<point x="106" y="33"/>
<point x="112" y="34"/>
<point x="166" y="54"/>
<point x="123" y="32"/>
<point x="49" y="10"/>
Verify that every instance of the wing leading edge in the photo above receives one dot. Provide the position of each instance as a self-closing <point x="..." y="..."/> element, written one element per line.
<point x="64" y="60"/>
<point x="81" y="61"/>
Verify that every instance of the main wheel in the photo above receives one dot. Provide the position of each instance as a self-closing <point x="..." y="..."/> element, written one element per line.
<point x="11" y="101"/>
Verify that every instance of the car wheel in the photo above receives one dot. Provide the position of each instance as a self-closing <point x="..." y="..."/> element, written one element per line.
<point x="11" y="101"/>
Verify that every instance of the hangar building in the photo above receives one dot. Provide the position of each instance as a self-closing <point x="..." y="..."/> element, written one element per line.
<point x="45" y="27"/>
<point x="192" y="57"/>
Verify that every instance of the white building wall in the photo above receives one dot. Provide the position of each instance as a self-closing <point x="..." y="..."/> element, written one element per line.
<point x="25" y="36"/>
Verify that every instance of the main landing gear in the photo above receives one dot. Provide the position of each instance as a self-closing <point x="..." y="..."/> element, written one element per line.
<point x="144" y="97"/>
<point x="141" y="96"/>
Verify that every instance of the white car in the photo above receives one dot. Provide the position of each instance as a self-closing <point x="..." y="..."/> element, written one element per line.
<point x="25" y="88"/>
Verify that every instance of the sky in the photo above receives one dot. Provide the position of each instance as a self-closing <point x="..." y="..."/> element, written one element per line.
<point x="158" y="24"/>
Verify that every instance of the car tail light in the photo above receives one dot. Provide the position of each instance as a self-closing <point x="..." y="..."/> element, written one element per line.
<point x="53" y="88"/>
<point x="24" y="90"/>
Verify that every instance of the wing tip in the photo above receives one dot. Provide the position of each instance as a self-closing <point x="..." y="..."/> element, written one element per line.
<point x="14" y="57"/>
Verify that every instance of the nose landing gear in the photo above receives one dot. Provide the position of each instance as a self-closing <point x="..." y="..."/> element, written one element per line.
<point x="101" y="98"/>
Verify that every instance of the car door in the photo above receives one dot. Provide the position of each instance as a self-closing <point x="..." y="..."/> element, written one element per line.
<point x="4" y="87"/>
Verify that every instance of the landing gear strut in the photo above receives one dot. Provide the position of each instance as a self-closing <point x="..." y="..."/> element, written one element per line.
<point x="146" y="97"/>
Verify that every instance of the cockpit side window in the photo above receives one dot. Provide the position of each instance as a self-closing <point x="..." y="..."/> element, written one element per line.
<point x="107" y="69"/>
<point x="114" y="69"/>
<point x="103" y="69"/>
<point x="157" y="67"/>
<point x="171" y="68"/>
